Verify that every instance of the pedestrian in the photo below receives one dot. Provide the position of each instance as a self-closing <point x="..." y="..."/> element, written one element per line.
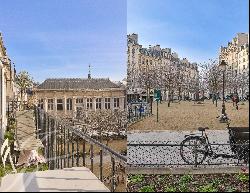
<point x="233" y="99"/>
<point x="237" y="101"/>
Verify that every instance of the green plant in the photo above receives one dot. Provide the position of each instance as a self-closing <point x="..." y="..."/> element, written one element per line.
<point x="183" y="187"/>
<point x="136" y="178"/>
<point x="6" y="170"/>
<point x="186" y="178"/>
<point x="183" y="183"/>
<point x="230" y="189"/>
<point x="10" y="135"/>
<point x="242" y="177"/>
<point x="216" y="182"/>
<point x="170" y="189"/>
<point x="40" y="151"/>
<point x="149" y="188"/>
<point x="11" y="124"/>
<point x="160" y="179"/>
<point x="33" y="168"/>
<point x="207" y="188"/>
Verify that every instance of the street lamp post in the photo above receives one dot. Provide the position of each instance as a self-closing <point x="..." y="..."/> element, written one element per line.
<point x="223" y="66"/>
<point x="223" y="95"/>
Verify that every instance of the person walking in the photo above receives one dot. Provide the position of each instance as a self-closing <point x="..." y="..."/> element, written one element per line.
<point x="237" y="101"/>
<point x="233" y="99"/>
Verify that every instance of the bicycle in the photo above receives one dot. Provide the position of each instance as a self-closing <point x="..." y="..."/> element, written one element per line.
<point x="194" y="149"/>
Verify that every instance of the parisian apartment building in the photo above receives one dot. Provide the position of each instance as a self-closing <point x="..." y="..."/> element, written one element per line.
<point x="236" y="56"/>
<point x="141" y="59"/>
<point x="236" y="53"/>
<point x="65" y="96"/>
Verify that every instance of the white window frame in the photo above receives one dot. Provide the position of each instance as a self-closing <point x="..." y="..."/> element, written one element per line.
<point x="50" y="104"/>
<point x="107" y="103"/>
<point x="79" y="100"/>
<point x="116" y="102"/>
<point x="59" y="102"/>
<point x="41" y="103"/>
<point x="89" y="103"/>
<point x="69" y="104"/>
<point x="98" y="103"/>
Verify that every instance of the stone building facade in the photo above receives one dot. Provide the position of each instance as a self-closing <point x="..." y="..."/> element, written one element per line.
<point x="141" y="59"/>
<point x="7" y="86"/>
<point x="63" y="97"/>
<point x="236" y="55"/>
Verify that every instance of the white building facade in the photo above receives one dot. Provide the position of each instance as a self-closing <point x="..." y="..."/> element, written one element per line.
<point x="236" y="55"/>
<point x="6" y="86"/>
<point x="149" y="59"/>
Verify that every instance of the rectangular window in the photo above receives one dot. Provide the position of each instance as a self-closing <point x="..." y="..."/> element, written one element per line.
<point x="98" y="103"/>
<point x="89" y="103"/>
<point x="107" y="103"/>
<point x="79" y="100"/>
<point x="59" y="105"/>
<point x="69" y="104"/>
<point x="116" y="103"/>
<point x="40" y="103"/>
<point x="50" y="104"/>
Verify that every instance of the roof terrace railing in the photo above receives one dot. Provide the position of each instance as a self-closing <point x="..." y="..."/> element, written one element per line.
<point x="66" y="146"/>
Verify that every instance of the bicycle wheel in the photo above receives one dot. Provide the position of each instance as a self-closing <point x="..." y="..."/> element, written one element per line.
<point x="194" y="150"/>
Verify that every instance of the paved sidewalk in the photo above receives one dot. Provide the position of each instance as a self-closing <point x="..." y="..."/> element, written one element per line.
<point x="66" y="180"/>
<point x="170" y="155"/>
<point x="26" y="131"/>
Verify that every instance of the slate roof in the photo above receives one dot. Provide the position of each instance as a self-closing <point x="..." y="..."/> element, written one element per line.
<point x="77" y="84"/>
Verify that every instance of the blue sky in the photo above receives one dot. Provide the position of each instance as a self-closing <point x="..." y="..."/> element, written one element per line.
<point x="60" y="38"/>
<point x="195" y="29"/>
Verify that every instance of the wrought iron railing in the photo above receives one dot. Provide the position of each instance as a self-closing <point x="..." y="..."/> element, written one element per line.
<point x="159" y="154"/>
<point x="66" y="146"/>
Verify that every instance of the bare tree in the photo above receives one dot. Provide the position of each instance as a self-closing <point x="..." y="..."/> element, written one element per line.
<point x="23" y="81"/>
<point x="169" y="81"/>
<point x="212" y="78"/>
<point x="243" y="83"/>
<point x="102" y="123"/>
<point x="147" y="80"/>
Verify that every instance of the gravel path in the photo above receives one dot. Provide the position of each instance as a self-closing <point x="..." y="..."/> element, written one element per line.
<point x="188" y="116"/>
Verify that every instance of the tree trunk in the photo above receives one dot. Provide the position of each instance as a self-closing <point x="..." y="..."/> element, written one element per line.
<point x="179" y="94"/>
<point x="21" y="104"/>
<point x="148" y="95"/>
<point x="172" y="96"/>
<point x="165" y="93"/>
<point x="169" y="96"/>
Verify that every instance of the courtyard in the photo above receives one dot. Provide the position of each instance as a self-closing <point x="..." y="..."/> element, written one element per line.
<point x="188" y="116"/>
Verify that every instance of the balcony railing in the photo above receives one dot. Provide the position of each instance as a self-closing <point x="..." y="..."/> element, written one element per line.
<point x="66" y="146"/>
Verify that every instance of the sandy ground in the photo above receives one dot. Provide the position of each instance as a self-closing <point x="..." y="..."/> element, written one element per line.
<point x="190" y="116"/>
